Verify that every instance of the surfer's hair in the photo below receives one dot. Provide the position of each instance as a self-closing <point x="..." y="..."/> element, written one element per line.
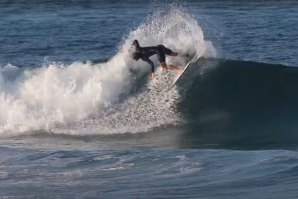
<point x="136" y="55"/>
<point x="136" y="43"/>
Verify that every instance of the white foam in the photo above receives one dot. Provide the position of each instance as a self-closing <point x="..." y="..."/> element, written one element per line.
<point x="62" y="98"/>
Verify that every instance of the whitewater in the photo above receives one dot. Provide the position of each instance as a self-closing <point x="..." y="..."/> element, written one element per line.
<point x="40" y="99"/>
<point x="80" y="119"/>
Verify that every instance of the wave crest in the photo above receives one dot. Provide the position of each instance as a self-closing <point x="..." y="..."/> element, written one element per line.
<point x="67" y="95"/>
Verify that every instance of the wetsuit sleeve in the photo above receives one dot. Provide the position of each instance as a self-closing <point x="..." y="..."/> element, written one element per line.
<point x="150" y="63"/>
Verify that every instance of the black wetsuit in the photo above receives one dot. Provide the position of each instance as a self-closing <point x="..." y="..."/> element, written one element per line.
<point x="146" y="52"/>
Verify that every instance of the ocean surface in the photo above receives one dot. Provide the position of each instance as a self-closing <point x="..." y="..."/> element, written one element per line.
<point x="80" y="119"/>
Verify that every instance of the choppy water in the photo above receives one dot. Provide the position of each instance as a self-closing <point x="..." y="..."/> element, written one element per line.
<point x="79" y="118"/>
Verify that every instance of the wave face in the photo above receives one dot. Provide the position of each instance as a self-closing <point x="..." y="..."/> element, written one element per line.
<point x="218" y="102"/>
<point x="240" y="103"/>
<point x="86" y="98"/>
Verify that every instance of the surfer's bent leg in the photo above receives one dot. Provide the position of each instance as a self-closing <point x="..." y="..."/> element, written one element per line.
<point x="162" y="59"/>
<point x="170" y="67"/>
<point x="168" y="51"/>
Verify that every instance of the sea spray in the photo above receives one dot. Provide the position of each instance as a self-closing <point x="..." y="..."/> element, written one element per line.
<point x="60" y="95"/>
<point x="85" y="98"/>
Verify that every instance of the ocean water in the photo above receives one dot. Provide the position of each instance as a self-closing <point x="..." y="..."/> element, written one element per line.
<point x="80" y="119"/>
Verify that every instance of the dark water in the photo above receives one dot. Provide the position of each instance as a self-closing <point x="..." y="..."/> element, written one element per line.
<point x="242" y="104"/>
<point x="79" y="119"/>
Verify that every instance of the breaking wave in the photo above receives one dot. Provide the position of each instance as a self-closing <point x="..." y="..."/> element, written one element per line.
<point x="108" y="97"/>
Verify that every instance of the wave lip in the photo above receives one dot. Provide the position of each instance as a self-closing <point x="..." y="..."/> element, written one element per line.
<point x="61" y="98"/>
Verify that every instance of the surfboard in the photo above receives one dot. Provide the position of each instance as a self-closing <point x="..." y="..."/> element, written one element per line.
<point x="195" y="57"/>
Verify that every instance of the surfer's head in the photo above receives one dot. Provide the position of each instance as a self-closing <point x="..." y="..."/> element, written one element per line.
<point x="136" y="56"/>
<point x="136" y="43"/>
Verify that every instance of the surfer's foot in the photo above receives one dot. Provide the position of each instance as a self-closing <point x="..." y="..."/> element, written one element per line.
<point x="178" y="72"/>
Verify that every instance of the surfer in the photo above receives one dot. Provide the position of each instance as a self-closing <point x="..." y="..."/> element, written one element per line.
<point x="160" y="50"/>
